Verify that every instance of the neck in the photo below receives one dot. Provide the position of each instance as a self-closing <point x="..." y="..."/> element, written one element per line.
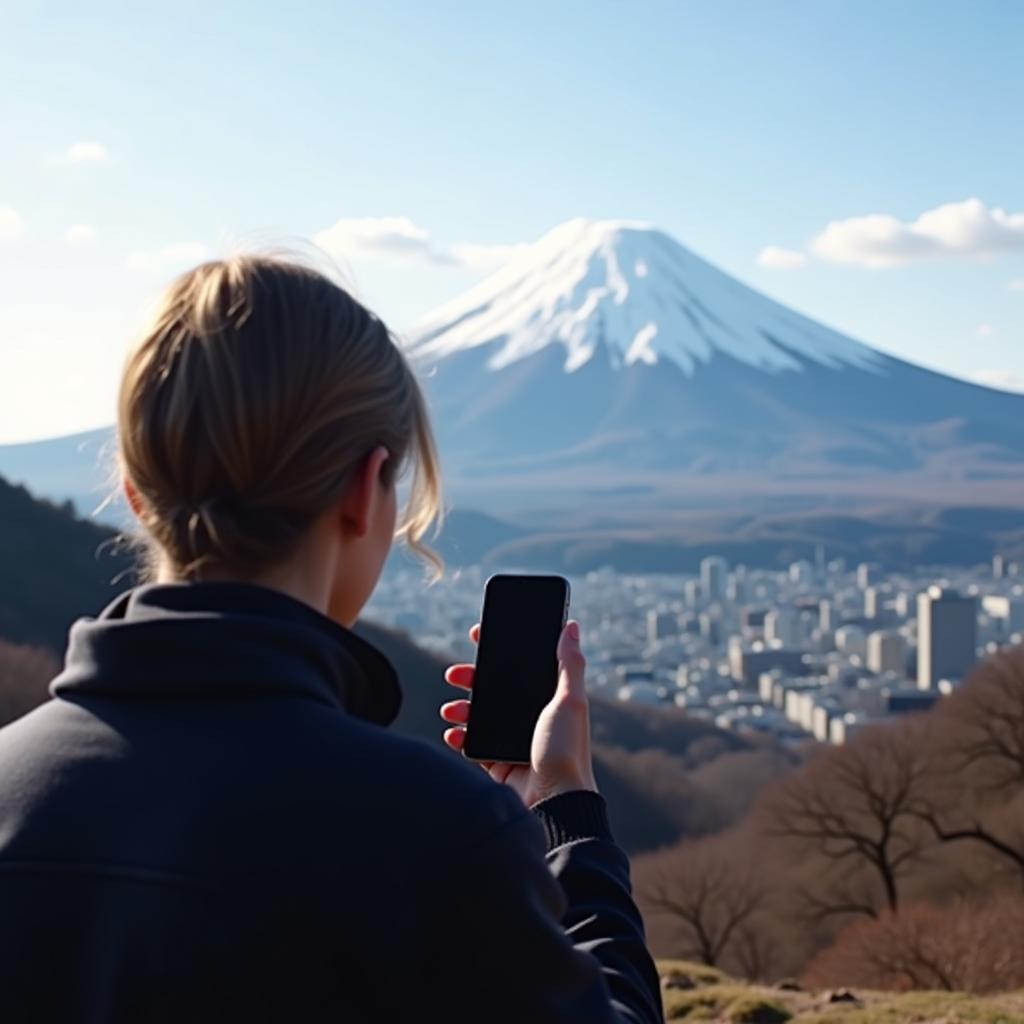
<point x="313" y="588"/>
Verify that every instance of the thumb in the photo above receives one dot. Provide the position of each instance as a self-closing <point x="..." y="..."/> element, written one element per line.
<point x="571" y="681"/>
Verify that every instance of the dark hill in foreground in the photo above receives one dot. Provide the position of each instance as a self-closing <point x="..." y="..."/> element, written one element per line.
<point x="53" y="568"/>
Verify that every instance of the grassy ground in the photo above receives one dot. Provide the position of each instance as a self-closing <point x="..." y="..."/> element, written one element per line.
<point x="715" y="997"/>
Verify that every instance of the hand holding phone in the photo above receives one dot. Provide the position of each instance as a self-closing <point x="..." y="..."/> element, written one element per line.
<point x="532" y="725"/>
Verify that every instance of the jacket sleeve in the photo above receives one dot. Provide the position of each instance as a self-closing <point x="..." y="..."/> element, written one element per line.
<point x="542" y="919"/>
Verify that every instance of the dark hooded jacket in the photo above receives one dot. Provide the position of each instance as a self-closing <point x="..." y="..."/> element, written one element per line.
<point x="209" y="822"/>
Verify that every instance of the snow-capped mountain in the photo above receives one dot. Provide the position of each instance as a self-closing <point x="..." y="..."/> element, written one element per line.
<point x="636" y="293"/>
<point x="608" y="349"/>
<point x="609" y="362"/>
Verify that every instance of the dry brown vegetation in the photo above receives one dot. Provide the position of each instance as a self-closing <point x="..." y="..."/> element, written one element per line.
<point x="969" y="945"/>
<point x="25" y="674"/>
<point x="895" y="862"/>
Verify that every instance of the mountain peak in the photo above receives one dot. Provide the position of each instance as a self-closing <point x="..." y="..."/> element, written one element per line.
<point x="628" y="291"/>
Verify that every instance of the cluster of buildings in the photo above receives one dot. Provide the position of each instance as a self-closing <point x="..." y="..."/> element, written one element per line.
<point x="818" y="650"/>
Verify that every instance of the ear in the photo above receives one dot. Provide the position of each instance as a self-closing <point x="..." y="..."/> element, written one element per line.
<point x="134" y="501"/>
<point x="359" y="506"/>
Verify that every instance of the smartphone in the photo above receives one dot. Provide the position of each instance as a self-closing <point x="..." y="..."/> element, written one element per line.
<point x="516" y="664"/>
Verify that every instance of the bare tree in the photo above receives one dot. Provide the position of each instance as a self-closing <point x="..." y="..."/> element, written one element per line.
<point x="854" y="807"/>
<point x="989" y="717"/>
<point x="977" y="760"/>
<point x="755" y="950"/>
<point x="712" y="896"/>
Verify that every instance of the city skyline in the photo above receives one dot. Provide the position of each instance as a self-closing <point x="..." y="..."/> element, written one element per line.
<point x="819" y="650"/>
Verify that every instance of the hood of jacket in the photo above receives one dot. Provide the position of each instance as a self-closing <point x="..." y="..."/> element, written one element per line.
<point x="222" y="639"/>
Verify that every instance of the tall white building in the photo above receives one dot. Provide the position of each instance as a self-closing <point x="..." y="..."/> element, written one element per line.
<point x="801" y="573"/>
<point x="947" y="636"/>
<point x="781" y="628"/>
<point x="661" y="624"/>
<point x="713" y="572"/>
<point x="1007" y="611"/>
<point x="887" y="652"/>
<point x="852" y="641"/>
<point x="826" y="617"/>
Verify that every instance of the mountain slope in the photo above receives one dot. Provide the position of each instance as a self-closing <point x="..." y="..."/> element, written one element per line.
<point x="609" y="371"/>
<point x="54" y="567"/>
<point x="75" y="467"/>
<point x="608" y="348"/>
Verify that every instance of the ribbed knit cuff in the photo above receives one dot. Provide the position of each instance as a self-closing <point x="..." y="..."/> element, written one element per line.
<point x="580" y="814"/>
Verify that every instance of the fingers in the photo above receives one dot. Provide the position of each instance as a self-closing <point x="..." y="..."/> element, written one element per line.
<point x="499" y="771"/>
<point x="455" y="738"/>
<point x="456" y="711"/>
<point x="459" y="675"/>
<point x="572" y="677"/>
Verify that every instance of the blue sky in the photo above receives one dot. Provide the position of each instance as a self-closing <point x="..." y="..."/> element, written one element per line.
<point x="138" y="138"/>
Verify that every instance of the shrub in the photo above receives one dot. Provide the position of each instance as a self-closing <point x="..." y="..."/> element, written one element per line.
<point x="967" y="946"/>
<point x="25" y="674"/>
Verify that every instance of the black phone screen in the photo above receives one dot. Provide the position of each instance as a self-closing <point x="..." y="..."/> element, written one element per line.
<point x="516" y="664"/>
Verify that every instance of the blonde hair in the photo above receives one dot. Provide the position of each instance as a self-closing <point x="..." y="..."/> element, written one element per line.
<point x="247" y="407"/>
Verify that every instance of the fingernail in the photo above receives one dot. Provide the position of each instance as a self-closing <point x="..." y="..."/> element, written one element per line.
<point x="574" y="630"/>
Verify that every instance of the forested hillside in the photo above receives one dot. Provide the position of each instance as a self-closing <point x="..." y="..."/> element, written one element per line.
<point x="53" y="568"/>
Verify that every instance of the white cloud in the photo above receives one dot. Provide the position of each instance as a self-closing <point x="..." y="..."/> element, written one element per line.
<point x="984" y="330"/>
<point x="12" y="225"/>
<point x="776" y="258"/>
<point x="968" y="229"/>
<point x="388" y="239"/>
<point x="399" y="240"/>
<point x="179" y="254"/>
<point x="86" y="153"/>
<point x="1006" y="380"/>
<point x="486" y="257"/>
<point x="80" y="234"/>
<point x="1017" y="284"/>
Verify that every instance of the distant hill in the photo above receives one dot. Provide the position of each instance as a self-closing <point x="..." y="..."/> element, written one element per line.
<point x="632" y="528"/>
<point x="900" y="538"/>
<point x="73" y="468"/>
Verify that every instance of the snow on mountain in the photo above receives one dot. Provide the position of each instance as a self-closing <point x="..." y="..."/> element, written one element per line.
<point x="607" y="361"/>
<point x="635" y="292"/>
<point x="608" y="351"/>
